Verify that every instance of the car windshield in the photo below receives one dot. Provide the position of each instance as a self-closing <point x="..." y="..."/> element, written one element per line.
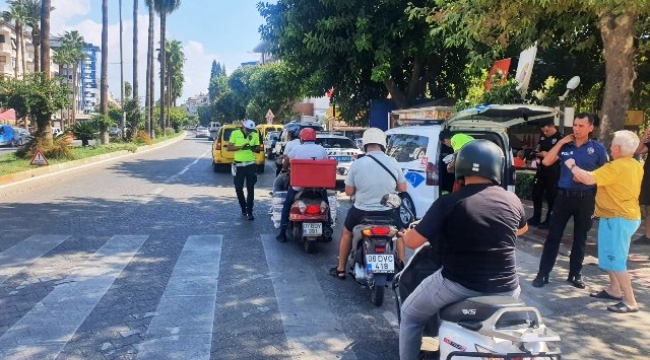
<point x="405" y="147"/>
<point x="340" y="143"/>
<point x="201" y="129"/>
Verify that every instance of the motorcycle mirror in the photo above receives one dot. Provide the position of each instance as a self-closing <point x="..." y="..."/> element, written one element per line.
<point x="391" y="200"/>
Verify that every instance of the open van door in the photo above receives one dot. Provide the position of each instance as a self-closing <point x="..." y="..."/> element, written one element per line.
<point x="499" y="116"/>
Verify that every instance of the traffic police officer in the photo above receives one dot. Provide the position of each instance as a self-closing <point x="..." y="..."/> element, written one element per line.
<point x="573" y="200"/>
<point x="546" y="178"/>
<point x="245" y="142"/>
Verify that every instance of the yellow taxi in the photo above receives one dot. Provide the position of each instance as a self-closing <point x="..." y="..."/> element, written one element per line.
<point x="262" y="130"/>
<point x="221" y="157"/>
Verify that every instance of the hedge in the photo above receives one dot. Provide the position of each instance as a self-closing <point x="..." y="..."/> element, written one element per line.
<point x="524" y="188"/>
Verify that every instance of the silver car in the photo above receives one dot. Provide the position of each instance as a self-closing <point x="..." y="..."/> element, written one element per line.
<point x="341" y="149"/>
<point x="202" y="132"/>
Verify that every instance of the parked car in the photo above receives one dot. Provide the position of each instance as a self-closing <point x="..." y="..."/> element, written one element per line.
<point x="262" y="130"/>
<point x="202" y="132"/>
<point x="114" y="132"/>
<point x="270" y="140"/>
<point x="213" y="129"/>
<point x="419" y="152"/>
<point x="341" y="149"/>
<point x="21" y="136"/>
<point x="56" y="131"/>
<point x="7" y="136"/>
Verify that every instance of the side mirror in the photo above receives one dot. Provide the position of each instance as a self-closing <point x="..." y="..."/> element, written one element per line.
<point x="392" y="201"/>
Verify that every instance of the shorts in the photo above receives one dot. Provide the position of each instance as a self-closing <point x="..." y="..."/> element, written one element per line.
<point x="614" y="237"/>
<point x="355" y="216"/>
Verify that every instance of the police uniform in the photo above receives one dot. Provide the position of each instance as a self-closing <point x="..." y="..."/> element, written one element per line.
<point x="575" y="200"/>
<point x="545" y="181"/>
<point x="245" y="169"/>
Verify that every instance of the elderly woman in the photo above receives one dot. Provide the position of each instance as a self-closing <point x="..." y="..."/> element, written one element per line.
<point x="617" y="205"/>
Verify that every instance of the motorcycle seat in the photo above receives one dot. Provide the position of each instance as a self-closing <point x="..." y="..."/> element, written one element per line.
<point x="477" y="309"/>
<point x="377" y="220"/>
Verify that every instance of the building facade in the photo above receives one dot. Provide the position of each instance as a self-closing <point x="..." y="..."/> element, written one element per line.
<point x="9" y="54"/>
<point x="89" y="84"/>
<point x="193" y="103"/>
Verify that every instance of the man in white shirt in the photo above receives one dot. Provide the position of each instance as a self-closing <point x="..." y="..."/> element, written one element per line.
<point x="281" y="182"/>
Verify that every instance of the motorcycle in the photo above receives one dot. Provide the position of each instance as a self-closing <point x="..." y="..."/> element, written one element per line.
<point x="484" y="327"/>
<point x="309" y="219"/>
<point x="373" y="255"/>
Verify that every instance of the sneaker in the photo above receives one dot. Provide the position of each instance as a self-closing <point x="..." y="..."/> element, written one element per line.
<point x="533" y="222"/>
<point x="540" y="281"/>
<point x="643" y="240"/>
<point x="249" y="216"/>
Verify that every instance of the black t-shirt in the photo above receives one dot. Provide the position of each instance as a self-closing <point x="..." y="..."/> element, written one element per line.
<point x="546" y="144"/>
<point x="476" y="230"/>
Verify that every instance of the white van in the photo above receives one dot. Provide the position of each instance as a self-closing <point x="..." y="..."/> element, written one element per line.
<point x="419" y="151"/>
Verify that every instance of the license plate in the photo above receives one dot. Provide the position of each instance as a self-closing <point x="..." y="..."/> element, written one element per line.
<point x="378" y="263"/>
<point x="312" y="229"/>
<point x="342" y="158"/>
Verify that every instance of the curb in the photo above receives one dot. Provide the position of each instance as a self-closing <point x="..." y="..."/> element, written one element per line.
<point x="50" y="170"/>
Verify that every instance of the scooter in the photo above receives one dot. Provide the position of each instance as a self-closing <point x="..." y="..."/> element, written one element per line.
<point x="309" y="219"/>
<point x="485" y="327"/>
<point x="373" y="257"/>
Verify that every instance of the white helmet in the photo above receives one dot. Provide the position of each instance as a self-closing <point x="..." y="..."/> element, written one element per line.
<point x="374" y="136"/>
<point x="249" y="124"/>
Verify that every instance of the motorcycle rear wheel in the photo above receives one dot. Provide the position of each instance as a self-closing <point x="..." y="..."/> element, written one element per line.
<point x="377" y="295"/>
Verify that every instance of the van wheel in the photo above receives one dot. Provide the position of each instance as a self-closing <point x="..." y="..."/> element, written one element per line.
<point x="215" y="167"/>
<point x="260" y="168"/>
<point x="405" y="217"/>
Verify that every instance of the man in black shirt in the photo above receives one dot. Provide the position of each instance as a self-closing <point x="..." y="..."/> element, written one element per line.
<point x="475" y="229"/>
<point x="546" y="177"/>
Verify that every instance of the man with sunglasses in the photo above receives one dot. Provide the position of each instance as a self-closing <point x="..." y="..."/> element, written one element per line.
<point x="546" y="178"/>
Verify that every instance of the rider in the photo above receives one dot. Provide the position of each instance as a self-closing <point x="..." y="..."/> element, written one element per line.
<point x="475" y="229"/>
<point x="307" y="150"/>
<point x="368" y="181"/>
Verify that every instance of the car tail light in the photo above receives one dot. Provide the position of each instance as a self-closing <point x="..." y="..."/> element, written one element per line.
<point x="432" y="174"/>
<point x="218" y="146"/>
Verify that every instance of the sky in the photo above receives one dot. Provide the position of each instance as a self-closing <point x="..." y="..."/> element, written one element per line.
<point x="221" y="30"/>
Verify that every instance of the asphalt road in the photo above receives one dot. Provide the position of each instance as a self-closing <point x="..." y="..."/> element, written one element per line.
<point x="148" y="256"/>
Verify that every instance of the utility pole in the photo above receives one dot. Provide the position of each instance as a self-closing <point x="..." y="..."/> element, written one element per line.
<point x="122" y="76"/>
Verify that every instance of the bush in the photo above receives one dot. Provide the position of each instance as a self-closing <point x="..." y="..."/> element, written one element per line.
<point x="142" y="138"/>
<point x="158" y="132"/>
<point x="524" y="188"/>
<point x="169" y="131"/>
<point x="84" y="131"/>
<point x="60" y="148"/>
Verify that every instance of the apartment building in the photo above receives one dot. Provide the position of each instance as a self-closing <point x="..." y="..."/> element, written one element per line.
<point x="193" y="103"/>
<point x="8" y="53"/>
<point x="89" y="84"/>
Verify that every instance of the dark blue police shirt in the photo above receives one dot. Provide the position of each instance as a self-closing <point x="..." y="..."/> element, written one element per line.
<point x="590" y="156"/>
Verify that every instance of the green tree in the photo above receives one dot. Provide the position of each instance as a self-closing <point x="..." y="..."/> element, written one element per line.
<point x="608" y="26"/>
<point x="385" y="51"/>
<point x="17" y="14"/>
<point x="72" y="45"/>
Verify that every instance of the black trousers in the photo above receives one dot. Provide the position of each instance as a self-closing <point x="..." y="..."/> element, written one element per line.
<point x="543" y="186"/>
<point x="581" y="208"/>
<point x="247" y="174"/>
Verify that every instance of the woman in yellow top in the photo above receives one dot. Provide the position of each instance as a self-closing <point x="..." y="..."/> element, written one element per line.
<point x="617" y="205"/>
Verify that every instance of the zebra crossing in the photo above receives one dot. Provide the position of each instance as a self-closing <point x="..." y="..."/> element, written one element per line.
<point x="183" y="323"/>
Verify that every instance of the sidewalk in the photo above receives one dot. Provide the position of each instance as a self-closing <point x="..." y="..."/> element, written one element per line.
<point x="638" y="262"/>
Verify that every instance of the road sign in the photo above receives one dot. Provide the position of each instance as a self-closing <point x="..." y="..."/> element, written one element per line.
<point x="39" y="158"/>
<point x="269" y="116"/>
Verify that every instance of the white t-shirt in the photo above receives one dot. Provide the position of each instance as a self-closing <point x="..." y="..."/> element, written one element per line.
<point x="371" y="182"/>
<point x="290" y="145"/>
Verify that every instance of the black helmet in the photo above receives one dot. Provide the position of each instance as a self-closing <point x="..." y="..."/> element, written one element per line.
<point x="481" y="158"/>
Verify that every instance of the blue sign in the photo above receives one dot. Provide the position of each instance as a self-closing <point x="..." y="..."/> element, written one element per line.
<point x="414" y="178"/>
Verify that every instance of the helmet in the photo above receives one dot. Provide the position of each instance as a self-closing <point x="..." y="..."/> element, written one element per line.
<point x="308" y="134"/>
<point x="374" y="136"/>
<point x="459" y="140"/>
<point x="481" y="158"/>
<point x="249" y="124"/>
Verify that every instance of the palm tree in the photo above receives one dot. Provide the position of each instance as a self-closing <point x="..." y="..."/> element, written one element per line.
<point x="33" y="12"/>
<point x="73" y="44"/>
<point x="103" y="92"/>
<point x="174" y="61"/>
<point x="18" y="16"/>
<point x="164" y="7"/>
<point x="46" y="8"/>
<point x="61" y="57"/>
<point x="150" y="72"/>
<point x="136" y="102"/>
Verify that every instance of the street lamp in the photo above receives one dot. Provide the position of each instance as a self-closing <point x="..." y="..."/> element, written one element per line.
<point x="568" y="111"/>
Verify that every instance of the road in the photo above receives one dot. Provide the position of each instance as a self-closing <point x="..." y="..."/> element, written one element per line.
<point x="148" y="256"/>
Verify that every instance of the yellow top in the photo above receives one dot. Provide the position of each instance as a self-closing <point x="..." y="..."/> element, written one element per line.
<point x="619" y="185"/>
<point x="238" y="138"/>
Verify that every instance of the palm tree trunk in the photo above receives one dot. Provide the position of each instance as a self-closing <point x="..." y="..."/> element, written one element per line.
<point x="22" y="51"/>
<point x="103" y="97"/>
<point x="163" y="20"/>
<point x="136" y="98"/>
<point x="17" y="64"/>
<point x="73" y="119"/>
<point x="150" y="72"/>
<point x="36" y="42"/>
<point x="44" y="124"/>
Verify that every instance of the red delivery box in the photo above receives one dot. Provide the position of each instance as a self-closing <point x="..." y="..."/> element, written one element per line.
<point x="310" y="173"/>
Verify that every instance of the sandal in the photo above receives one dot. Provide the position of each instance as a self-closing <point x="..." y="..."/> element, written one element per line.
<point x="603" y="294"/>
<point x="336" y="273"/>
<point x="621" y="308"/>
